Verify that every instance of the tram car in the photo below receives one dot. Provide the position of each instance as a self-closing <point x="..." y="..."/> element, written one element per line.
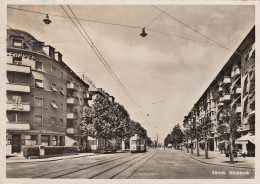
<point x="137" y="144"/>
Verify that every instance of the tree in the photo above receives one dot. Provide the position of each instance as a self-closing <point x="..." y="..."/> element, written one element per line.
<point x="230" y="122"/>
<point x="177" y="135"/>
<point x="206" y="128"/>
<point x="167" y="140"/>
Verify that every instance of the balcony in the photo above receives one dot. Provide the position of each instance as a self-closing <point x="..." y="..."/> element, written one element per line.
<point x="18" y="68"/>
<point x="72" y="86"/>
<point x="72" y="101"/>
<point x="220" y="89"/>
<point x="18" y="88"/>
<point x="17" y="126"/>
<point x="71" y="131"/>
<point x="238" y="90"/>
<point x="224" y="98"/>
<point x="87" y="96"/>
<point x="72" y="115"/>
<point x="220" y="104"/>
<point x="22" y="106"/>
<point x="226" y="80"/>
<point x="238" y="108"/>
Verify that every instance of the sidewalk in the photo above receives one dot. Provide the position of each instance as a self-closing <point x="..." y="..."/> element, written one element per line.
<point x="216" y="158"/>
<point x="20" y="159"/>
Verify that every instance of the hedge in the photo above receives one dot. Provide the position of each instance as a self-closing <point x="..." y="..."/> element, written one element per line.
<point x="53" y="150"/>
<point x="29" y="151"/>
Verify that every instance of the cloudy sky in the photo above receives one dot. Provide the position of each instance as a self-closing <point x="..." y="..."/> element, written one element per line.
<point x="164" y="74"/>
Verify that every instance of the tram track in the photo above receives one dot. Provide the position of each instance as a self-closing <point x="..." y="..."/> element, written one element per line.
<point x="107" y="170"/>
<point x="98" y="162"/>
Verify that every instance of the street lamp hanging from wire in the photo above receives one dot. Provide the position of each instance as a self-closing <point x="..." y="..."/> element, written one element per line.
<point x="143" y="34"/>
<point x="47" y="20"/>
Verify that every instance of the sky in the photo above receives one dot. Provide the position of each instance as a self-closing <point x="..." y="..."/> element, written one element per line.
<point x="164" y="74"/>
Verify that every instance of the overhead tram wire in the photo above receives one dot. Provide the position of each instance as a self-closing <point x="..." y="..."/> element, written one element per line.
<point x="121" y="25"/>
<point x="192" y="28"/>
<point x="157" y="17"/>
<point x="103" y="57"/>
<point x="91" y="45"/>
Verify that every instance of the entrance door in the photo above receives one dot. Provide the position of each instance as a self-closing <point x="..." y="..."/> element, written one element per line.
<point x="16" y="143"/>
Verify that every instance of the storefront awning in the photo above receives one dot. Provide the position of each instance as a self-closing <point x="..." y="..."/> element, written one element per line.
<point x="246" y="138"/>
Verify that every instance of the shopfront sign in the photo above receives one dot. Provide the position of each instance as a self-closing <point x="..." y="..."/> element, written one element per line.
<point x="20" y="54"/>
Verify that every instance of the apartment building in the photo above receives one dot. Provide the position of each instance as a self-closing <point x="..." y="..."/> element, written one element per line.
<point x="233" y="87"/>
<point x="44" y="97"/>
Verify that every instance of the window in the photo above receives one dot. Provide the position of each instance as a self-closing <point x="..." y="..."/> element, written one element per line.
<point x="17" y="60"/>
<point x="53" y="70"/>
<point x="18" y="118"/>
<point x="61" y="106"/>
<point x="53" y="86"/>
<point x="38" y="102"/>
<point x="61" y="123"/>
<point x="17" y="43"/>
<point x="38" y="65"/>
<point x="38" y="83"/>
<point x="61" y="75"/>
<point x="53" y="122"/>
<point x="38" y="120"/>
<point x="30" y="140"/>
<point x="62" y="91"/>
<point x="45" y="140"/>
<point x="53" y="104"/>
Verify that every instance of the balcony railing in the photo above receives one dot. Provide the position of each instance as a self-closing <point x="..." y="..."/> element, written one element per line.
<point x="87" y="95"/>
<point x="238" y="108"/>
<point x="17" y="126"/>
<point x="72" y="86"/>
<point x="220" y="104"/>
<point x="71" y="131"/>
<point x="238" y="90"/>
<point x="22" y="106"/>
<point x="18" y="68"/>
<point x="224" y="98"/>
<point x="226" y="80"/>
<point x="18" y="88"/>
<point x="72" y="115"/>
<point x="72" y="101"/>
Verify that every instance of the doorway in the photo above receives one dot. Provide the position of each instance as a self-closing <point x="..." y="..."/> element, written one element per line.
<point x="16" y="143"/>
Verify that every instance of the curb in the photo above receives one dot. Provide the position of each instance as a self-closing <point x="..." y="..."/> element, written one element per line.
<point x="45" y="160"/>
<point x="220" y="164"/>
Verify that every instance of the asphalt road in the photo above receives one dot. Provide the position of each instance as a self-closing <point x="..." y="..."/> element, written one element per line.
<point x="154" y="164"/>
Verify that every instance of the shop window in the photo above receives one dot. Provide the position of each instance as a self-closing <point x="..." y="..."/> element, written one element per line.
<point x="38" y="83"/>
<point x="38" y="65"/>
<point x="17" y="60"/>
<point x="55" y="141"/>
<point x="30" y="140"/>
<point x="38" y="102"/>
<point x="38" y="120"/>
<point x="53" y="104"/>
<point x="45" y="140"/>
<point x="17" y="43"/>
<point x="54" y="87"/>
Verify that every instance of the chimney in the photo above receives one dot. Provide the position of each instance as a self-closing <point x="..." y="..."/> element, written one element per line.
<point x="58" y="56"/>
<point x="49" y="50"/>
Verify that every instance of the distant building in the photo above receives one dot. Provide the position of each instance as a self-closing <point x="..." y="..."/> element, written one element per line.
<point x="233" y="87"/>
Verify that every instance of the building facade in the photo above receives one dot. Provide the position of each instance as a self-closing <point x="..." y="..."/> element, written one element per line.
<point x="233" y="87"/>
<point x="44" y="97"/>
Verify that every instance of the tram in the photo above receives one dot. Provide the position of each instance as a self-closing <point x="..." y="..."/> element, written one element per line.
<point x="137" y="144"/>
